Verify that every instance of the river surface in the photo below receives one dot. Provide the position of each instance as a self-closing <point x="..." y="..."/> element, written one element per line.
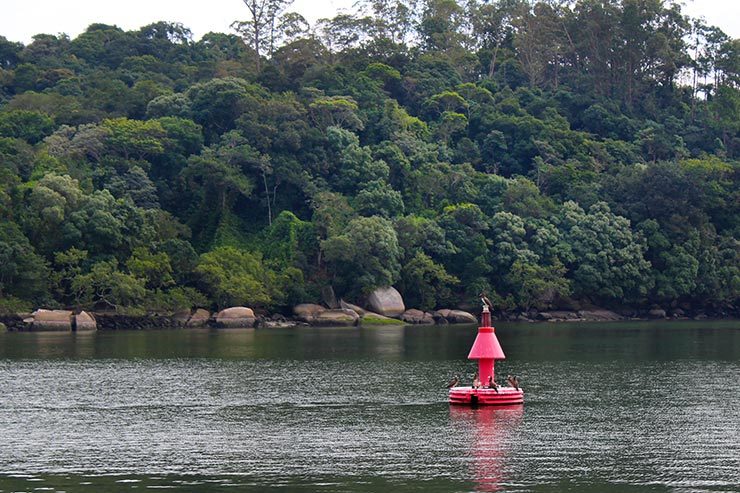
<point x="620" y="407"/>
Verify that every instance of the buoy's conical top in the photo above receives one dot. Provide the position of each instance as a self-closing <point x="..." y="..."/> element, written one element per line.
<point x="486" y="345"/>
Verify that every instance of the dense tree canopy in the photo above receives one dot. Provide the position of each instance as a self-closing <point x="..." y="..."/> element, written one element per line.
<point x="541" y="152"/>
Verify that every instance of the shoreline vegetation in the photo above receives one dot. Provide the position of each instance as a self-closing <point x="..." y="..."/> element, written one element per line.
<point x="563" y="159"/>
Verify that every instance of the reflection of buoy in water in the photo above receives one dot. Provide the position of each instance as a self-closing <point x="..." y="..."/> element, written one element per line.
<point x="491" y="431"/>
<point x="486" y="349"/>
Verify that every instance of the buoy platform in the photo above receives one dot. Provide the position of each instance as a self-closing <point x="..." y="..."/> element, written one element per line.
<point x="503" y="396"/>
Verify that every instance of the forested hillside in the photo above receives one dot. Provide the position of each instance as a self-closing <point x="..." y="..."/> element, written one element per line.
<point x="542" y="153"/>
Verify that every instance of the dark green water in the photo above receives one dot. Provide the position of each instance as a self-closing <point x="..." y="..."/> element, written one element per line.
<point x="608" y="408"/>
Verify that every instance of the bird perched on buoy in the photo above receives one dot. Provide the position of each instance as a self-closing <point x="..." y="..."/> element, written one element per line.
<point x="492" y="384"/>
<point x="485" y="300"/>
<point x="453" y="383"/>
<point x="513" y="381"/>
<point x="476" y="381"/>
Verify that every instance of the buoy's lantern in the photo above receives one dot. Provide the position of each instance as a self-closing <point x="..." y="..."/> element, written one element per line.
<point x="486" y="349"/>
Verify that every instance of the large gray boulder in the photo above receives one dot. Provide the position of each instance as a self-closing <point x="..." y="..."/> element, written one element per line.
<point x="85" y="321"/>
<point x="56" y="320"/>
<point x="181" y="317"/>
<point x="235" y="317"/>
<point x="200" y="318"/>
<point x="657" y="313"/>
<point x="350" y="306"/>
<point x="414" y="316"/>
<point x="461" y="317"/>
<point x="307" y="312"/>
<point x="340" y="317"/>
<point x="387" y="302"/>
<point x="329" y="298"/>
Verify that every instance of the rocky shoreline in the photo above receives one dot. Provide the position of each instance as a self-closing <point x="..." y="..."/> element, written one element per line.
<point x="331" y="318"/>
<point x="384" y="307"/>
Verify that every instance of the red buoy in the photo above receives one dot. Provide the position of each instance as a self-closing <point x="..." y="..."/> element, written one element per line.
<point x="486" y="349"/>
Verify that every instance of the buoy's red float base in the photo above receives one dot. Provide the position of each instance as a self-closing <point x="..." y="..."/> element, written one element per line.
<point x="486" y="349"/>
<point x="469" y="396"/>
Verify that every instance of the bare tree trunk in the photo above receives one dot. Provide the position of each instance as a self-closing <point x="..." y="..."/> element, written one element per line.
<point x="274" y="196"/>
<point x="257" y="50"/>
<point x="267" y="194"/>
<point x="492" y="68"/>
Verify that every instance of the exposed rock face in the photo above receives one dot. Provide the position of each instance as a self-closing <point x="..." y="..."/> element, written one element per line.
<point x="329" y="298"/>
<point x="85" y="321"/>
<point x="657" y="313"/>
<point x="339" y="317"/>
<point x="276" y="324"/>
<point x="350" y="306"/>
<point x="235" y="317"/>
<point x="678" y="313"/>
<point x="461" y="317"/>
<point x="307" y="312"/>
<point x="199" y="318"/>
<point x="386" y="301"/>
<point x="414" y="316"/>
<point x="600" y="315"/>
<point x="558" y="315"/>
<point x="445" y="315"/>
<point x="114" y="321"/>
<point x="181" y="317"/>
<point x="52" y="320"/>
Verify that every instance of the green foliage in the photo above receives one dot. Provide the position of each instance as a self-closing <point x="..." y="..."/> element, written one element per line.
<point x="23" y="273"/>
<point x="355" y="168"/>
<point x="537" y="285"/>
<point x="175" y="299"/>
<point x="364" y="256"/>
<point x="218" y="182"/>
<point x="379" y="199"/>
<point x="153" y="268"/>
<point x="465" y="227"/>
<point x="30" y="126"/>
<point x="609" y="259"/>
<point x="417" y="233"/>
<point x="425" y="284"/>
<point x="336" y="111"/>
<point x="290" y="241"/>
<point x="216" y="104"/>
<point x="331" y="213"/>
<point x="105" y="286"/>
<point x="529" y="150"/>
<point x="10" y="305"/>
<point x="68" y="265"/>
<point x="169" y="105"/>
<point x="135" y="138"/>
<point x="234" y="277"/>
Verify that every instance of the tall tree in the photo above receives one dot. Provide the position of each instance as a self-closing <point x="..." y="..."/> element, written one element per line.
<point x="260" y="30"/>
